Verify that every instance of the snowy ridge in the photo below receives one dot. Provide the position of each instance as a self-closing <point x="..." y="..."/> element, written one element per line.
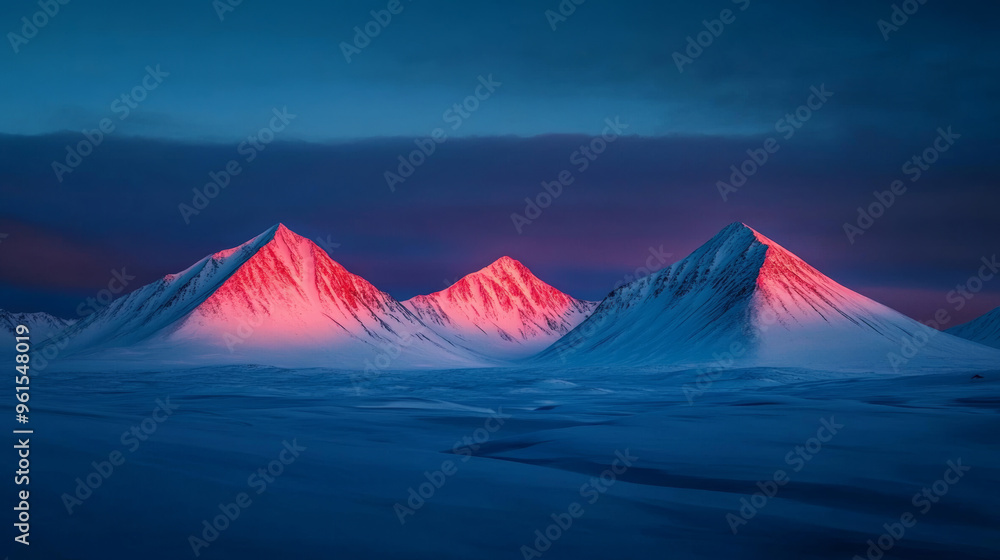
<point x="984" y="330"/>
<point x="502" y="310"/>
<point x="42" y="326"/>
<point x="147" y="311"/>
<point x="740" y="300"/>
<point x="742" y="295"/>
<point x="277" y="300"/>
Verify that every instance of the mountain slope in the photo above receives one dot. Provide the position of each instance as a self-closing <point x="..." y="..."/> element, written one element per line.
<point x="502" y="310"/>
<point x="742" y="295"/>
<point x="41" y="325"/>
<point x="278" y="300"/>
<point x="984" y="330"/>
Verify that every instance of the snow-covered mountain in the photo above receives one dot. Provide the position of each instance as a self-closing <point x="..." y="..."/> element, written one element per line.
<point x="41" y="325"/>
<point x="984" y="330"/>
<point x="503" y="311"/>
<point x="743" y="296"/>
<point x="278" y="300"/>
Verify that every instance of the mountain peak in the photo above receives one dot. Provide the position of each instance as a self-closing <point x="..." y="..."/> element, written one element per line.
<point x="504" y="308"/>
<point x="279" y="288"/>
<point x="741" y="231"/>
<point x="506" y="261"/>
<point x="742" y="290"/>
<point x="507" y="265"/>
<point x="280" y="230"/>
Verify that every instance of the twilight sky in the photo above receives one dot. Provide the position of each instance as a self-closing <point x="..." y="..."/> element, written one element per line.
<point x="216" y="82"/>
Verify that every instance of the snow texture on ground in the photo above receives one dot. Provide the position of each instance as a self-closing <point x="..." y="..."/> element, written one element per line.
<point x="697" y="444"/>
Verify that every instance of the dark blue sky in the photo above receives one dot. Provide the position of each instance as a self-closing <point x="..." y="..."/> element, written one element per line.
<point x="324" y="173"/>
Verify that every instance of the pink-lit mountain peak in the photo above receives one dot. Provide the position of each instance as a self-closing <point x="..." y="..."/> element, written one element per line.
<point x="277" y="299"/>
<point x="287" y="275"/>
<point x="508" y="284"/>
<point x="742" y="290"/>
<point x="772" y="267"/>
<point x="502" y="309"/>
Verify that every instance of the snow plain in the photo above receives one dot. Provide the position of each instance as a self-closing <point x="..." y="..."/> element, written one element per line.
<point x="697" y="446"/>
